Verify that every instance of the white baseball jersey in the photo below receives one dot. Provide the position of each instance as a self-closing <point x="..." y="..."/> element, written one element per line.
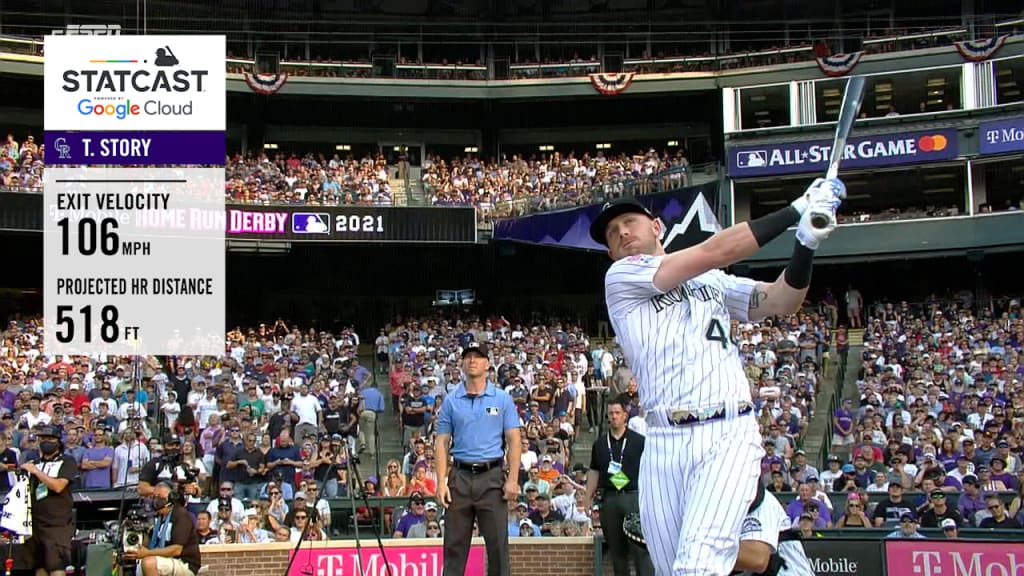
<point x="678" y="342"/>
<point x="764" y="524"/>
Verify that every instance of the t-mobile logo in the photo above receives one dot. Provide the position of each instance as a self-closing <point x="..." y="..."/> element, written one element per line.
<point x="926" y="563"/>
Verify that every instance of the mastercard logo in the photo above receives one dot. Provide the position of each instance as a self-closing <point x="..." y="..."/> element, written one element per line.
<point x="933" y="143"/>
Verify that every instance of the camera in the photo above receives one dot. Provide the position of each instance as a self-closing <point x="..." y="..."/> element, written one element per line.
<point x="131" y="534"/>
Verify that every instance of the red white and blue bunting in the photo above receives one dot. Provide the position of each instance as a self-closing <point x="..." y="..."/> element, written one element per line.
<point x="839" y="64"/>
<point x="265" y="84"/>
<point x="983" y="49"/>
<point x="611" y="84"/>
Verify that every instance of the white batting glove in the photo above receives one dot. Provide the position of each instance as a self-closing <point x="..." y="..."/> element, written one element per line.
<point x="806" y="233"/>
<point x="832" y="189"/>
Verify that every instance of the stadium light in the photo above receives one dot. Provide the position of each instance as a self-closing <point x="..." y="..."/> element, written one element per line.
<point x="672" y="143"/>
<point x="269" y="146"/>
<point x="471" y="149"/>
<point x="603" y="146"/>
<point x="546" y="148"/>
<point x="343" y="147"/>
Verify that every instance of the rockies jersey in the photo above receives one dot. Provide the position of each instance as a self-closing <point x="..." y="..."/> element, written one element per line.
<point x="678" y="343"/>
<point x="767" y="523"/>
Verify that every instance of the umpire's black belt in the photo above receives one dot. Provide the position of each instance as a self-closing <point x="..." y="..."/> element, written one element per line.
<point x="478" y="467"/>
<point x="665" y="417"/>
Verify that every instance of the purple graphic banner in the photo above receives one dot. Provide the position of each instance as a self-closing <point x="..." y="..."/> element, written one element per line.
<point x="687" y="215"/>
<point x="1002" y="136"/>
<point x="132" y="148"/>
<point x="862" y="152"/>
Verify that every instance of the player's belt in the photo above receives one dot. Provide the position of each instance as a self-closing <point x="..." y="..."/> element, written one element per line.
<point x="669" y="417"/>
<point x="478" y="467"/>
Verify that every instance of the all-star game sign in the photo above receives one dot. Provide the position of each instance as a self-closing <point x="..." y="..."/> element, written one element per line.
<point x="134" y="257"/>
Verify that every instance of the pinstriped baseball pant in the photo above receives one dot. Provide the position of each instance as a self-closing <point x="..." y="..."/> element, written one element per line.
<point x="696" y="484"/>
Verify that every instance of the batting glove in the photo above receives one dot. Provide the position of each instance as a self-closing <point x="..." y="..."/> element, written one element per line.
<point x="832" y="188"/>
<point x="806" y="233"/>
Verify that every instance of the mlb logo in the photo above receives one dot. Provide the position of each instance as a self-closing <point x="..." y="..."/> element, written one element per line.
<point x="311" y="223"/>
<point x="752" y="159"/>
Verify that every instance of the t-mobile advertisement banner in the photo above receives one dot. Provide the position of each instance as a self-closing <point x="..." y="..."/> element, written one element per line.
<point x="403" y="561"/>
<point x="1002" y="136"/>
<point x="948" y="558"/>
<point x="863" y="152"/>
<point x="844" y="557"/>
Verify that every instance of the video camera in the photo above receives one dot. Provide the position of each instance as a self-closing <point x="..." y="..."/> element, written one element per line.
<point x="131" y="534"/>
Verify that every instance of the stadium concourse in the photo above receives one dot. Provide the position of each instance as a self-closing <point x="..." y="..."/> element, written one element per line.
<point x="287" y="391"/>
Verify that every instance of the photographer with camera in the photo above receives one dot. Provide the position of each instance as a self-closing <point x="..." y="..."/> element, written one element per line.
<point x="174" y="545"/>
<point x="50" y="479"/>
<point x="169" y="468"/>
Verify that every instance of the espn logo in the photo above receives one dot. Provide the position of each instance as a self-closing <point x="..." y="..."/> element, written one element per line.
<point x="89" y="30"/>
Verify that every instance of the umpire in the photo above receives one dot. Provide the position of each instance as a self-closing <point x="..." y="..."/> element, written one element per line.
<point x="479" y="420"/>
<point x="614" y="470"/>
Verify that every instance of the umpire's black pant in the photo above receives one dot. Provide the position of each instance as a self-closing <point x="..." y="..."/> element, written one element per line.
<point x="614" y="508"/>
<point x="478" y="496"/>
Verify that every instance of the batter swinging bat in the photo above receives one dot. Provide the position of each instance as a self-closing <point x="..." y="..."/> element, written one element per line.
<point x="848" y="111"/>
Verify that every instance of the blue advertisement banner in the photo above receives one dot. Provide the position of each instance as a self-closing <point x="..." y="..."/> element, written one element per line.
<point x="862" y="152"/>
<point x="1002" y="136"/>
<point x="687" y="216"/>
<point x="134" y="148"/>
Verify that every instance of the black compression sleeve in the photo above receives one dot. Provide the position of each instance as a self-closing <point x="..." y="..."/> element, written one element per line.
<point x="798" y="271"/>
<point x="767" y="228"/>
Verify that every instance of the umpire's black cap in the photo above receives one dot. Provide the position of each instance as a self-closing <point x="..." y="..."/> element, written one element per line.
<point x="612" y="209"/>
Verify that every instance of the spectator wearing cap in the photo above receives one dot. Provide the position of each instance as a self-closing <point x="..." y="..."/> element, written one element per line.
<point x="416" y="514"/>
<point x="971" y="503"/>
<point x="964" y="467"/>
<point x="479" y="421"/>
<point x="937" y="510"/>
<point x="950" y="529"/>
<point x="855" y="515"/>
<point x="97" y="462"/>
<point x="226" y="496"/>
<point x="998" y="518"/>
<point x="52" y="504"/>
<point x="430" y="512"/>
<point x="414" y="413"/>
<point x="986" y="482"/>
<point x="889" y="511"/>
<point x="8" y="462"/>
<point x="907" y="528"/>
<point x="249" y="531"/>
<point x="801" y="470"/>
<point x="834" y="472"/>
<point x="545" y="516"/>
<point x="535" y="482"/>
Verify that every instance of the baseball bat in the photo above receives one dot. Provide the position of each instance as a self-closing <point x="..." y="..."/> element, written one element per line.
<point x="848" y="111"/>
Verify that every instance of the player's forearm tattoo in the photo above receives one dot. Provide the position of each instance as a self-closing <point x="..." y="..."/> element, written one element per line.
<point x="757" y="297"/>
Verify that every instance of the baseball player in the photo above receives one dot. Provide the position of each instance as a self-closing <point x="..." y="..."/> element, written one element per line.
<point x="671" y="315"/>
<point x="768" y="544"/>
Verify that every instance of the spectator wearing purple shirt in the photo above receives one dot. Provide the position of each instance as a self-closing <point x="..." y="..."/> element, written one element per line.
<point x="842" y="425"/>
<point x="971" y="502"/>
<point x="96" y="462"/>
<point x="416" y="514"/>
<point x="805" y="502"/>
<point x="6" y="396"/>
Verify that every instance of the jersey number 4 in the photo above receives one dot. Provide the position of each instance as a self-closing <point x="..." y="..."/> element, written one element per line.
<point x="716" y="333"/>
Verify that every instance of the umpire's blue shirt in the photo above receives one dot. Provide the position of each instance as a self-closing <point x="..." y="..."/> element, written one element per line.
<point x="477" y="425"/>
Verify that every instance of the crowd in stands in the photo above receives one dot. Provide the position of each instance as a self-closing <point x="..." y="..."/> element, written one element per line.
<point x="938" y="431"/>
<point x="519" y="185"/>
<point x="308" y="179"/>
<point x="269" y="427"/>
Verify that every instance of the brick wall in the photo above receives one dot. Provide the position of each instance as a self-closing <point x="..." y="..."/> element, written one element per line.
<point x="530" y="557"/>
